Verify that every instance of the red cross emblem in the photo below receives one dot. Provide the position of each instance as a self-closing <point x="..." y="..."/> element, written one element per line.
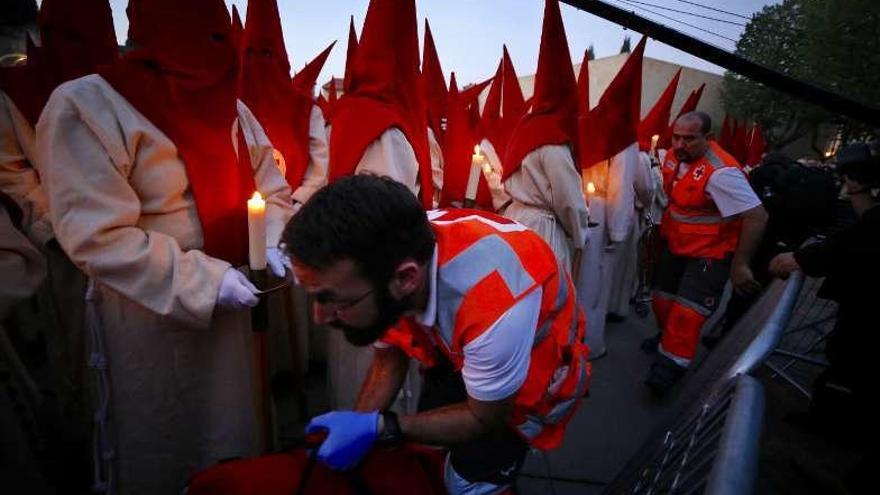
<point x="698" y="173"/>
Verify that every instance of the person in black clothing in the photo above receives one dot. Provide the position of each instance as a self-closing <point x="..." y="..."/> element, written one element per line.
<point x="850" y="261"/>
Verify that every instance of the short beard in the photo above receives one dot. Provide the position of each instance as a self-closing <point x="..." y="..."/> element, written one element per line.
<point x="390" y="311"/>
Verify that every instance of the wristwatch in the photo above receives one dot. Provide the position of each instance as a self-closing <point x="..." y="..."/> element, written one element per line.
<point x="391" y="433"/>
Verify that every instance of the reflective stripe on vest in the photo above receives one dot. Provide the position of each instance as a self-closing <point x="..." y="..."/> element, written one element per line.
<point x="561" y="298"/>
<point x="461" y="273"/>
<point x="702" y="220"/>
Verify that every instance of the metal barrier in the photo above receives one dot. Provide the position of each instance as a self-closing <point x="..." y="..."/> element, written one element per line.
<point x="713" y="448"/>
<point x="799" y="356"/>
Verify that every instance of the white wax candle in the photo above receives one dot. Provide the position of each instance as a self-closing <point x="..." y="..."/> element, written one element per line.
<point x="257" y="232"/>
<point x="477" y="161"/>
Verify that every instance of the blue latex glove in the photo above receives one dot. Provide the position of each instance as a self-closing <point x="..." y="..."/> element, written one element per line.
<point x="350" y="435"/>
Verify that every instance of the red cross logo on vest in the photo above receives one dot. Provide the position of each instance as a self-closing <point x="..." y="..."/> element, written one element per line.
<point x="698" y="173"/>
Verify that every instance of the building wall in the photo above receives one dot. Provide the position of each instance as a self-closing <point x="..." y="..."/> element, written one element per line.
<point x="656" y="74"/>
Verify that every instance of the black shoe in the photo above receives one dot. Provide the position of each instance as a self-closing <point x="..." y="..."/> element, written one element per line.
<point x="614" y="318"/>
<point x="663" y="375"/>
<point x="650" y="344"/>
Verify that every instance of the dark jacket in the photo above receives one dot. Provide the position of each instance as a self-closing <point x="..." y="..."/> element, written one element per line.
<point x="850" y="260"/>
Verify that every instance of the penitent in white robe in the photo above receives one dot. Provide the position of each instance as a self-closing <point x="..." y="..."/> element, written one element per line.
<point x="181" y="377"/>
<point x="611" y="207"/>
<point x="57" y="315"/>
<point x="347" y="365"/>
<point x="547" y="197"/>
<point x="625" y="281"/>
<point x="500" y="198"/>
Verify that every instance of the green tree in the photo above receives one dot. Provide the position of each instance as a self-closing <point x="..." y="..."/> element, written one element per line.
<point x="829" y="43"/>
<point x="625" y="47"/>
<point x="591" y="53"/>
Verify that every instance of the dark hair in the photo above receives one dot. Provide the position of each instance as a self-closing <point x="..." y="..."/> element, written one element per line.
<point x="861" y="162"/>
<point x="374" y="221"/>
<point x="703" y="117"/>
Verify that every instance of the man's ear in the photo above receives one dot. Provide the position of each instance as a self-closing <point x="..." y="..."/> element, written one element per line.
<point x="406" y="279"/>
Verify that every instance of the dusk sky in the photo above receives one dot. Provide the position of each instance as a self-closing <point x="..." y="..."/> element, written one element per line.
<point x="469" y="33"/>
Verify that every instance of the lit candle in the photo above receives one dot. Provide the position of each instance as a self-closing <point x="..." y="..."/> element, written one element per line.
<point x="477" y="161"/>
<point x="257" y="232"/>
<point x="591" y="189"/>
<point x="654" y="140"/>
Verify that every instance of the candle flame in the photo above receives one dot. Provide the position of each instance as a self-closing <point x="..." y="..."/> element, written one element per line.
<point x="591" y="188"/>
<point x="477" y="150"/>
<point x="257" y="196"/>
<point x="655" y="137"/>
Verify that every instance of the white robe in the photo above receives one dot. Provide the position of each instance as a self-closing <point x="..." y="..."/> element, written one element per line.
<point x="18" y="177"/>
<point x="180" y="370"/>
<point x="21" y="264"/>
<point x="58" y="313"/>
<point x="612" y="208"/>
<point x="436" y="152"/>
<point x="547" y="197"/>
<point x="347" y="365"/>
<point x="625" y="281"/>
<point x="500" y="198"/>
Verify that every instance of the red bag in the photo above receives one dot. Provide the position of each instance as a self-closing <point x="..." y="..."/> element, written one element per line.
<point x="392" y="471"/>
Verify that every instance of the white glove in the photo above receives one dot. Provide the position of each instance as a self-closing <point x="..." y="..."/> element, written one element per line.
<point x="236" y="291"/>
<point x="277" y="260"/>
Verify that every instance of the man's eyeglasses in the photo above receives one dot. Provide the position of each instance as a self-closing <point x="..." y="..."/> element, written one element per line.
<point x="340" y="305"/>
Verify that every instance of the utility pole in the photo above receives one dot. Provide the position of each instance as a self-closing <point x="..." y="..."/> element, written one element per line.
<point x="833" y="102"/>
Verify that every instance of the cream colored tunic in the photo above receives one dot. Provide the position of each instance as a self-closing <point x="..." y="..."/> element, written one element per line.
<point x="391" y="155"/>
<point x="436" y="152"/>
<point x="613" y="209"/>
<point x="18" y="178"/>
<point x="319" y="157"/>
<point x="181" y="373"/>
<point x="500" y="198"/>
<point x="547" y="194"/>
<point x="623" y="284"/>
<point x="21" y="264"/>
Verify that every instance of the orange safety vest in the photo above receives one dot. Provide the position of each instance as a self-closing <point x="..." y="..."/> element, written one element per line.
<point x="692" y="225"/>
<point x="486" y="264"/>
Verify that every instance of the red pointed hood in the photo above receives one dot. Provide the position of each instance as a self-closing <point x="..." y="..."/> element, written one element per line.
<point x="741" y="143"/>
<point x="267" y="90"/>
<point x="513" y="104"/>
<point x="583" y="86"/>
<point x="614" y="123"/>
<point x="182" y="78"/>
<point x="491" y="118"/>
<point x="77" y="37"/>
<point x="349" y="56"/>
<point x="384" y="92"/>
<point x="552" y="118"/>
<point x="726" y="136"/>
<point x="433" y="84"/>
<point x="692" y="101"/>
<point x="304" y="81"/>
<point x="657" y="120"/>
<point x="504" y="106"/>
<point x="237" y="27"/>
<point x="322" y="104"/>
<point x="757" y="146"/>
<point x="471" y="94"/>
<point x="461" y="138"/>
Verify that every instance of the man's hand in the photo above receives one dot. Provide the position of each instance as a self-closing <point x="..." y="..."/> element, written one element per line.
<point x="743" y="279"/>
<point x="783" y="264"/>
<point x="350" y="435"/>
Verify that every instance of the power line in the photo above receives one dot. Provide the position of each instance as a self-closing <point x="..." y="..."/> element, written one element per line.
<point x="716" y="10"/>
<point x="735" y="23"/>
<point x="673" y="19"/>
